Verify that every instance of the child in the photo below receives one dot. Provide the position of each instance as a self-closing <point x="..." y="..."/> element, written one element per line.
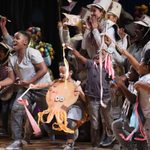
<point x="6" y="93"/>
<point x="92" y="91"/>
<point x="122" y="124"/>
<point x="74" y="112"/>
<point x="92" y="38"/>
<point x="143" y="68"/>
<point x="28" y="66"/>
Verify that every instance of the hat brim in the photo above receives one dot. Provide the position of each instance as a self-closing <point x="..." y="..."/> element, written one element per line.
<point x="5" y="46"/>
<point x="95" y="5"/>
<point x="141" y="23"/>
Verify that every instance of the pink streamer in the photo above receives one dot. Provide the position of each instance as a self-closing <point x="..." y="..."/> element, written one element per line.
<point x="34" y="125"/>
<point x="109" y="66"/>
<point x="129" y="137"/>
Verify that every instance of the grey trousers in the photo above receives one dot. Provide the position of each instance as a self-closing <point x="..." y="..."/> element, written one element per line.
<point x="96" y="122"/>
<point x="18" y="115"/>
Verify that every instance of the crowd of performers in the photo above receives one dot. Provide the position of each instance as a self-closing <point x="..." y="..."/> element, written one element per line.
<point x="104" y="79"/>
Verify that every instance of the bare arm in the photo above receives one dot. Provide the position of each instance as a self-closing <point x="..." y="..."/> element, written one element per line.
<point x="82" y="95"/>
<point x="7" y="38"/>
<point x="79" y="56"/>
<point x="9" y="80"/>
<point x="40" y="85"/>
<point x="80" y="92"/>
<point x="131" y="59"/>
<point x="3" y="21"/>
<point x="143" y="85"/>
<point x="129" y="95"/>
<point x="41" y="70"/>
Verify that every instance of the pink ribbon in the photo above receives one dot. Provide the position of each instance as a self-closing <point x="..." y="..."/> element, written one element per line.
<point x="34" y="125"/>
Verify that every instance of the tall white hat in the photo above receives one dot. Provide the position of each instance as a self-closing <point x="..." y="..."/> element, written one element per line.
<point x="102" y="4"/>
<point x="115" y="9"/>
<point x="144" y="21"/>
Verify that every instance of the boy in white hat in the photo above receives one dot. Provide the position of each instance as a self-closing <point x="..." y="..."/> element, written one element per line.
<point x="142" y="38"/>
<point x="92" y="39"/>
<point x="112" y="30"/>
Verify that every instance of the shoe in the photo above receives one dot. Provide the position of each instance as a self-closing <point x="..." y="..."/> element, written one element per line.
<point x="69" y="146"/>
<point x="16" y="145"/>
<point x="25" y="142"/>
<point x="107" y="141"/>
<point x="95" y="148"/>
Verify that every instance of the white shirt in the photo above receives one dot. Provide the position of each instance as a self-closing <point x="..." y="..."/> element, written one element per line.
<point x="144" y="96"/>
<point x="26" y="70"/>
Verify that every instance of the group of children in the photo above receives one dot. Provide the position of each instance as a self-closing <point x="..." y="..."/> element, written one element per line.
<point x="110" y="102"/>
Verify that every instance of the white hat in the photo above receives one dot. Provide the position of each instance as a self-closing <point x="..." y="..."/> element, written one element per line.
<point x="115" y="9"/>
<point x="144" y="21"/>
<point x="102" y="4"/>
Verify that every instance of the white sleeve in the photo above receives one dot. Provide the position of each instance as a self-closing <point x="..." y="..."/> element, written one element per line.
<point x="66" y="36"/>
<point x="97" y="37"/>
<point x="84" y="40"/>
<point x="8" y="39"/>
<point x="123" y="43"/>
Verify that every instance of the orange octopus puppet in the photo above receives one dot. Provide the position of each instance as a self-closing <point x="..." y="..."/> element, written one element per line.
<point x="62" y="93"/>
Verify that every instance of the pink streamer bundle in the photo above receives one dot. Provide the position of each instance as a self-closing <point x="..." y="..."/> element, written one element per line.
<point x="108" y="66"/>
<point x="34" y="125"/>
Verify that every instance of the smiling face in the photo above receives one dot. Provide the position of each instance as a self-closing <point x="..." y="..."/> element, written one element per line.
<point x="112" y="17"/>
<point x="62" y="72"/>
<point x="20" y="41"/>
<point x="97" y="12"/>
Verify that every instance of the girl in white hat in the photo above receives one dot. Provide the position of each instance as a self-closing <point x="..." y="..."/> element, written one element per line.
<point x="92" y="39"/>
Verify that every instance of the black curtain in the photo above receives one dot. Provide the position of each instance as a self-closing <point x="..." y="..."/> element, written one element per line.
<point x="41" y="13"/>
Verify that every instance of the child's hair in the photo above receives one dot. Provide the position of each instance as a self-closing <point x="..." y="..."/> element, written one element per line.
<point x="71" y="68"/>
<point x="146" y="58"/>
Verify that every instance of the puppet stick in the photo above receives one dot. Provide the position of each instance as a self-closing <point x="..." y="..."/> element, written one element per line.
<point x="24" y="93"/>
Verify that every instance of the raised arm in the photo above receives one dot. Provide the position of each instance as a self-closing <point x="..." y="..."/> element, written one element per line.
<point x="128" y="94"/>
<point x="9" y="80"/>
<point x="131" y="58"/>
<point x="77" y="55"/>
<point x="7" y="38"/>
<point x="41" y="70"/>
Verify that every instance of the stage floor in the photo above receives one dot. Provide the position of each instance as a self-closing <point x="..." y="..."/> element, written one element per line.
<point x="46" y="144"/>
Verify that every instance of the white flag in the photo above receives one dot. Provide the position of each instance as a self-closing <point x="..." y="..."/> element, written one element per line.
<point x="73" y="20"/>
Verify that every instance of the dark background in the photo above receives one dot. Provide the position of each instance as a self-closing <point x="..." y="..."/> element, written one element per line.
<point x="45" y="14"/>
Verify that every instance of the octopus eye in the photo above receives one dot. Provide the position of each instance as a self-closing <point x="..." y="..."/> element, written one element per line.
<point x="57" y="98"/>
<point x="61" y="99"/>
